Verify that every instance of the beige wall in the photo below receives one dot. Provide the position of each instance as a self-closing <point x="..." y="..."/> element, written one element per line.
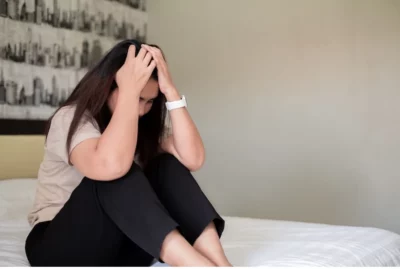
<point x="298" y="103"/>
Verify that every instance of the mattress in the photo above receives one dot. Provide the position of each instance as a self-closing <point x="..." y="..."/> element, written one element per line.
<point x="247" y="242"/>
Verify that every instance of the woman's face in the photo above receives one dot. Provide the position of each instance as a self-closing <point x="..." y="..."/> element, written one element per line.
<point x="148" y="94"/>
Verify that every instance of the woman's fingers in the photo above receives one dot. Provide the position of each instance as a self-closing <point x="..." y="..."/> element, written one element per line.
<point x="156" y="56"/>
<point x="147" y="58"/>
<point x="131" y="53"/>
<point x="150" y="49"/>
<point x="141" y="54"/>
<point x="157" y="52"/>
<point x="151" y="66"/>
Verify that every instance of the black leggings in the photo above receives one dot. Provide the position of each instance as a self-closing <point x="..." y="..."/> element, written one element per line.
<point x="124" y="222"/>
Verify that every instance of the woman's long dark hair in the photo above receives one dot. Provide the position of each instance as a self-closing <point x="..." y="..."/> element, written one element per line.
<point x="90" y="98"/>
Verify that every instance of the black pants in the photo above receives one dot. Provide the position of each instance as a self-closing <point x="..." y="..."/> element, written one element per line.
<point x="124" y="222"/>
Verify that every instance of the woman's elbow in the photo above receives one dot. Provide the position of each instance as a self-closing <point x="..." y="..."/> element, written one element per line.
<point x="196" y="164"/>
<point x="114" y="169"/>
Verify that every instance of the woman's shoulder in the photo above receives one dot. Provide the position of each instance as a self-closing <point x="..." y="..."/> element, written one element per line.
<point x="64" y="112"/>
<point x="65" y="115"/>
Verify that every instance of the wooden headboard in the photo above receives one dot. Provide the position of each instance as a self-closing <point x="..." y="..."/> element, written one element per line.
<point x="20" y="155"/>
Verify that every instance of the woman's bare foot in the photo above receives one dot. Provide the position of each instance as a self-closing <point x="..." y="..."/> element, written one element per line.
<point x="176" y="251"/>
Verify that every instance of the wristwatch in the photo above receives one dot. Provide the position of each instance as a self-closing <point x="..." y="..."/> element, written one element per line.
<point x="176" y="104"/>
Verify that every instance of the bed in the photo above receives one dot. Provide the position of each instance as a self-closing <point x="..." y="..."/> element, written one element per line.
<point x="247" y="242"/>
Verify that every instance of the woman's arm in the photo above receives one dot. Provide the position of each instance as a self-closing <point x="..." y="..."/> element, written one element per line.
<point x="111" y="156"/>
<point x="185" y="142"/>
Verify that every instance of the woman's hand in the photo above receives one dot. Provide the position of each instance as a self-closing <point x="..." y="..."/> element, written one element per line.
<point x="165" y="83"/>
<point x="136" y="71"/>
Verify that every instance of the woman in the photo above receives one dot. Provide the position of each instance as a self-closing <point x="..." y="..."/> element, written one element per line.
<point x="113" y="188"/>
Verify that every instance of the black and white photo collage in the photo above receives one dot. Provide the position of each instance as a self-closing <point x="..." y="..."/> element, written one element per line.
<point x="46" y="46"/>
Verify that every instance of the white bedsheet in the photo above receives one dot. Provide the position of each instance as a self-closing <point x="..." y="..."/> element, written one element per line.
<point x="247" y="242"/>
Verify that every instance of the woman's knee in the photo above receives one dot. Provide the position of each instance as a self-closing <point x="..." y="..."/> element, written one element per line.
<point x="135" y="169"/>
<point x="167" y="160"/>
<point x="132" y="180"/>
<point x="166" y="170"/>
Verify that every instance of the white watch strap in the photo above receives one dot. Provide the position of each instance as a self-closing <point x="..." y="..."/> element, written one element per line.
<point x="176" y="104"/>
